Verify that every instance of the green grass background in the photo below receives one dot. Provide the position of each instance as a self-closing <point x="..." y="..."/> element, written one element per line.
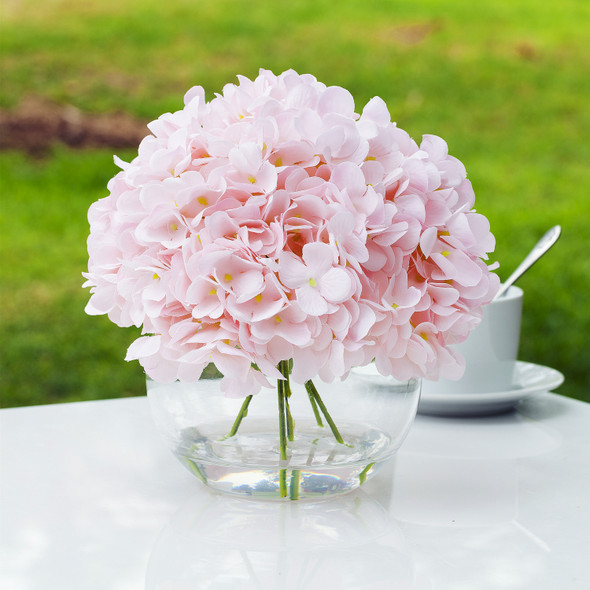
<point x="506" y="83"/>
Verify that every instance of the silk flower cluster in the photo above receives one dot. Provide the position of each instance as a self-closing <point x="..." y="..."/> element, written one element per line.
<point x="275" y="223"/>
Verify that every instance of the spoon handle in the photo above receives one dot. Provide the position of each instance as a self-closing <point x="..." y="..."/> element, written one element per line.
<point x="540" y="248"/>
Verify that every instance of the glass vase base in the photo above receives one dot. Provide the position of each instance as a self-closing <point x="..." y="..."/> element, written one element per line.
<point x="281" y="484"/>
<point x="249" y="463"/>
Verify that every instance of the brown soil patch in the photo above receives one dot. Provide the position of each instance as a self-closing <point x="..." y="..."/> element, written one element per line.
<point x="527" y="51"/>
<point x="410" y="34"/>
<point x="37" y="123"/>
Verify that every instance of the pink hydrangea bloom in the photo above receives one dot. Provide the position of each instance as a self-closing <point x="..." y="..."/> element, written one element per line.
<point x="274" y="223"/>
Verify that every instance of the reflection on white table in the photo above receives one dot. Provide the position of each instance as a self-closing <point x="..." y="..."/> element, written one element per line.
<point x="92" y="499"/>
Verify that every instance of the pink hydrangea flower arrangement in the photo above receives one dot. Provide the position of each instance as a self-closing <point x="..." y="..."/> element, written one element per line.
<point x="274" y="223"/>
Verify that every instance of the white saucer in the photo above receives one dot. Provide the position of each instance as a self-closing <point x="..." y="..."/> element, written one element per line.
<point x="529" y="379"/>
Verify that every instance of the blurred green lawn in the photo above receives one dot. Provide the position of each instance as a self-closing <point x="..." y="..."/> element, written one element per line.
<point x="505" y="83"/>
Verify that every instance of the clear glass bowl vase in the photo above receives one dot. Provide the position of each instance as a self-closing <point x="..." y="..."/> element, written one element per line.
<point x="371" y="413"/>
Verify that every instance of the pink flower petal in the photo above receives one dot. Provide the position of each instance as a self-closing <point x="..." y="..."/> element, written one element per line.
<point x="376" y="110"/>
<point x="428" y="240"/>
<point x="318" y="257"/>
<point x="142" y="347"/>
<point x="311" y="301"/>
<point x="458" y="266"/>
<point x="336" y="100"/>
<point x="292" y="271"/>
<point x="248" y="284"/>
<point x="335" y="286"/>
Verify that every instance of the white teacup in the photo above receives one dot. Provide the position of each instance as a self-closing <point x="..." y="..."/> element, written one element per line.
<point x="490" y="351"/>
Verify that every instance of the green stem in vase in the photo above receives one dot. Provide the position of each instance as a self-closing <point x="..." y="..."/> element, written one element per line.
<point x="313" y="392"/>
<point x="363" y="474"/>
<point x="318" y="418"/>
<point x="282" y="438"/>
<point x="241" y="415"/>
<point x="286" y="424"/>
<point x="196" y="470"/>
<point x="294" y="485"/>
<point x="285" y="369"/>
<point x="290" y="421"/>
<point x="282" y="419"/>
<point x="283" y="482"/>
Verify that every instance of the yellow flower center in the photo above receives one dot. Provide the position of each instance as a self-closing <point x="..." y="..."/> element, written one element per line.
<point x="202" y="201"/>
<point x="313" y="282"/>
<point x="227" y="278"/>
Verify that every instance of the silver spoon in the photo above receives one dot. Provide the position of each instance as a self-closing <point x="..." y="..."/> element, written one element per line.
<point x="540" y="248"/>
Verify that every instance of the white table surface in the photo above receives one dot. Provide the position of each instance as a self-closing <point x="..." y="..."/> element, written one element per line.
<point x="92" y="499"/>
